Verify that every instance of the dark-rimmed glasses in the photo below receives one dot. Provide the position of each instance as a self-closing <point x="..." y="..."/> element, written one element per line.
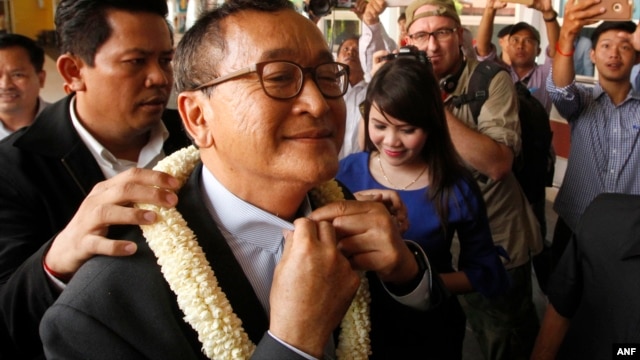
<point x="284" y="79"/>
<point x="422" y="37"/>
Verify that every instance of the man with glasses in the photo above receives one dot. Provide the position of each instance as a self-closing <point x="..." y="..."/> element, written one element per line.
<point x="523" y="47"/>
<point x="267" y="116"/>
<point x="506" y="325"/>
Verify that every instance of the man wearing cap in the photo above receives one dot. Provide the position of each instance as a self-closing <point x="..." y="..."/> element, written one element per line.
<point x="505" y="325"/>
<point x="523" y="46"/>
<point x="503" y="40"/>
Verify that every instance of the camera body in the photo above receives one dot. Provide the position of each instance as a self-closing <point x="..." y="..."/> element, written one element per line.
<point x="322" y="8"/>
<point x="408" y="51"/>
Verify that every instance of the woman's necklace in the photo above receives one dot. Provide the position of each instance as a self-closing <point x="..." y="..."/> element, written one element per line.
<point x="394" y="185"/>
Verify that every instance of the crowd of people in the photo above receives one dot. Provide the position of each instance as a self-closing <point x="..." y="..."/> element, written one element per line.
<point x="301" y="204"/>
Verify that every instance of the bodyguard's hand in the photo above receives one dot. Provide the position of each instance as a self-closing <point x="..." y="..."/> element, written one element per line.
<point x="313" y="286"/>
<point x="110" y="203"/>
<point x="369" y="237"/>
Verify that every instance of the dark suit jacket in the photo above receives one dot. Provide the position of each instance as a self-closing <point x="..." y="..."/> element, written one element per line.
<point x="596" y="283"/>
<point x="122" y="307"/>
<point x="47" y="172"/>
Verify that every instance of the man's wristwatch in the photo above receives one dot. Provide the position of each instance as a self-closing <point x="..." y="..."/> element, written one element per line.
<point x="419" y="255"/>
<point x="553" y="18"/>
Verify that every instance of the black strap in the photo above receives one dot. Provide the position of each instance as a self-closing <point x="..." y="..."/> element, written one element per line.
<point x="478" y="89"/>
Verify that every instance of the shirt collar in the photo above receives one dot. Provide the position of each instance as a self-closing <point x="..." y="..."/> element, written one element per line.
<point x="245" y="221"/>
<point x="598" y="91"/>
<point x="150" y="154"/>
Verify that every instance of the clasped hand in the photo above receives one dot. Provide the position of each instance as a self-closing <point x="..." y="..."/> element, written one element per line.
<point x="317" y="278"/>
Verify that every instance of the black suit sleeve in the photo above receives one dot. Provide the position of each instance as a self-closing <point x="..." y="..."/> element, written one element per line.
<point x="23" y="300"/>
<point x="270" y="348"/>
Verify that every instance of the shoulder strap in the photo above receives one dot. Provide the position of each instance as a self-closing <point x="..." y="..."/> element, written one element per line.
<point x="478" y="87"/>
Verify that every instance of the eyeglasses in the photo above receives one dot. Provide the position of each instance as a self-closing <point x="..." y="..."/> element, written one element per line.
<point x="517" y="40"/>
<point x="283" y="79"/>
<point x="422" y="37"/>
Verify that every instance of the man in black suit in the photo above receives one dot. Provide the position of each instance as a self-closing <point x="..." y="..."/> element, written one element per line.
<point x="72" y="175"/>
<point x="269" y="128"/>
<point x="594" y="292"/>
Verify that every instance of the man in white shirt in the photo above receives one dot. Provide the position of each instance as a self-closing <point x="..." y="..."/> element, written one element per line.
<point x="69" y="179"/>
<point x="348" y="54"/>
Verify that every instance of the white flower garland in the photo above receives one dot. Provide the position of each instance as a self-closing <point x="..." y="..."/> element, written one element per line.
<point x="205" y="305"/>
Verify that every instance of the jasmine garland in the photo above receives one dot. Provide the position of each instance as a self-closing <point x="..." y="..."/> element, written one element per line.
<point x="204" y="303"/>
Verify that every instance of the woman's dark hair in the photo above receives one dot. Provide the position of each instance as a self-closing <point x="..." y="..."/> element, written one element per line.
<point x="624" y="26"/>
<point x="407" y="90"/>
<point x="82" y="25"/>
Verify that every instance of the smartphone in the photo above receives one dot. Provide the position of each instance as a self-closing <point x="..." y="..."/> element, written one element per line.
<point x="616" y="10"/>
<point x="523" y="2"/>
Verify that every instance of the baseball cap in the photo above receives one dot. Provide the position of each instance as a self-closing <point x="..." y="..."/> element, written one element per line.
<point x="505" y="31"/>
<point x="524" y="26"/>
<point x="444" y="8"/>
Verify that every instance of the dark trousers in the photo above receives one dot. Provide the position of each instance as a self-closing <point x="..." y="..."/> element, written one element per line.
<point x="506" y="326"/>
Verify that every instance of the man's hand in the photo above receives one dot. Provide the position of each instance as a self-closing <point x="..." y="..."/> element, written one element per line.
<point x="359" y="8"/>
<point x="495" y="4"/>
<point x="109" y="203"/>
<point x="394" y="204"/>
<point x="313" y="286"/>
<point x="378" y="60"/>
<point x="369" y="237"/>
<point x="576" y="16"/>
<point x="544" y="6"/>
<point x="634" y="38"/>
<point x="373" y="10"/>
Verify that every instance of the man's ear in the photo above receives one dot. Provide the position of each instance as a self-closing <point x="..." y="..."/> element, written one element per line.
<point x="592" y="56"/>
<point x="70" y="66"/>
<point x="195" y="113"/>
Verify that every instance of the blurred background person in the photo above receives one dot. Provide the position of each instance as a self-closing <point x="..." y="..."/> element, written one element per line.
<point x="21" y="78"/>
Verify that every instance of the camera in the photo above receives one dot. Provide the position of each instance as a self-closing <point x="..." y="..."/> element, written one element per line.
<point x="408" y="51"/>
<point x="321" y="8"/>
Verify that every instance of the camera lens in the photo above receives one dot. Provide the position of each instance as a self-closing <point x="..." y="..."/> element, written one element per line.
<point x="320" y="7"/>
